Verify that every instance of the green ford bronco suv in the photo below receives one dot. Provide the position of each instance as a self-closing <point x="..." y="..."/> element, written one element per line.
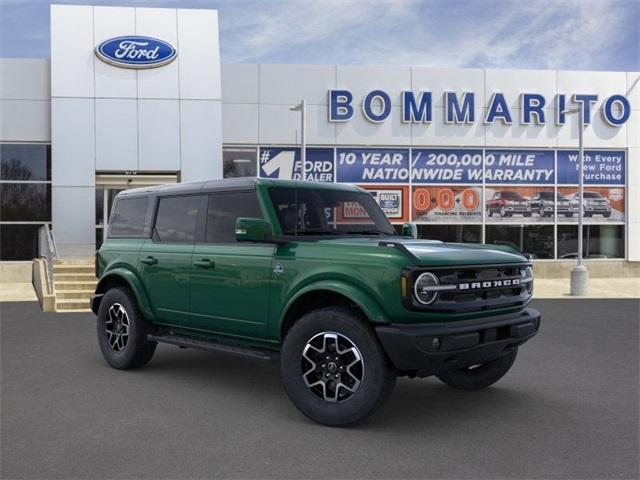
<point x="314" y="276"/>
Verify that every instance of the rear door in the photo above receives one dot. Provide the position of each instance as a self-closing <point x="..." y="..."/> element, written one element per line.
<point x="229" y="280"/>
<point x="165" y="259"/>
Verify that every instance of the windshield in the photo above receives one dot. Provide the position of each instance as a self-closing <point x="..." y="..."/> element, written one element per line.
<point x="512" y="196"/>
<point x="328" y="212"/>
<point x="546" y="195"/>
<point x="592" y="195"/>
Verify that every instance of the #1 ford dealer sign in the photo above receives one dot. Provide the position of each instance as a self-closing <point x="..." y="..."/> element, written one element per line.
<point x="134" y="51"/>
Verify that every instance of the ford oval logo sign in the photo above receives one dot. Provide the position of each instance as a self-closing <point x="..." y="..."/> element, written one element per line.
<point x="134" y="51"/>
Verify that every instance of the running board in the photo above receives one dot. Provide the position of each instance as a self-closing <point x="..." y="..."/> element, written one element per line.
<point x="213" y="346"/>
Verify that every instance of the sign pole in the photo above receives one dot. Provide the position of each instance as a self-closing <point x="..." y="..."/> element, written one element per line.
<point x="581" y="184"/>
<point x="303" y="140"/>
<point x="580" y="274"/>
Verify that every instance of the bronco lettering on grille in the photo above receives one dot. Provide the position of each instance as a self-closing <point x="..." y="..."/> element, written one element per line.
<point x="513" y="282"/>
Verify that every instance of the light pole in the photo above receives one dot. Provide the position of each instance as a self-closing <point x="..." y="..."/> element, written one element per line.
<point x="303" y="140"/>
<point x="580" y="274"/>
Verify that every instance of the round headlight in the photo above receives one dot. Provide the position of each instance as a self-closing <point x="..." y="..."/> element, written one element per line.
<point x="527" y="279"/>
<point x="526" y="273"/>
<point x="424" y="290"/>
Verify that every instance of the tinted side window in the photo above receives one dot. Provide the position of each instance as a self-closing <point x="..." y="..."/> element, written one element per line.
<point x="128" y="218"/>
<point x="224" y="209"/>
<point x="176" y="219"/>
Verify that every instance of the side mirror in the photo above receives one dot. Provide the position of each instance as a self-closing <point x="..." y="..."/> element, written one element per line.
<point x="410" y="229"/>
<point x="252" y="230"/>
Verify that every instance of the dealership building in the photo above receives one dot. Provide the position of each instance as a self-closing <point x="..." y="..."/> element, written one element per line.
<point x="470" y="155"/>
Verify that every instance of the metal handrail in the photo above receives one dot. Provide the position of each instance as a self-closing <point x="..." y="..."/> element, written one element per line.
<point x="50" y="252"/>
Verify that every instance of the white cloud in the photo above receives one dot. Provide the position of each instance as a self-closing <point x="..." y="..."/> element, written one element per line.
<point x="580" y="34"/>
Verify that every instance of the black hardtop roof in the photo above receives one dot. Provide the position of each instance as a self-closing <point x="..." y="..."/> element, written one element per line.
<point x="227" y="184"/>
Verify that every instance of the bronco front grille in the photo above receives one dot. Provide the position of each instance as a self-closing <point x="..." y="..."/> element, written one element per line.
<point x="476" y="288"/>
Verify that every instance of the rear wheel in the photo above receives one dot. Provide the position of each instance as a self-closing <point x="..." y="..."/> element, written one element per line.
<point x="333" y="367"/>
<point x="477" y="377"/>
<point x="122" y="330"/>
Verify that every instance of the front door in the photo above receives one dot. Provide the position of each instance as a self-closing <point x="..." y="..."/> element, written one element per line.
<point x="230" y="281"/>
<point x="165" y="259"/>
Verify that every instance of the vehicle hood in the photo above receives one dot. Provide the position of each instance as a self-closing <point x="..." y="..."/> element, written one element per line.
<point x="435" y="253"/>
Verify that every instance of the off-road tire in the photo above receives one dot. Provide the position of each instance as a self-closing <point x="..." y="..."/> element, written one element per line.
<point x="480" y="377"/>
<point x="378" y="375"/>
<point x="137" y="350"/>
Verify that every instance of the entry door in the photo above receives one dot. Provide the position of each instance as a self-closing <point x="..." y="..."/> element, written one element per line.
<point x="108" y="185"/>
<point x="230" y="281"/>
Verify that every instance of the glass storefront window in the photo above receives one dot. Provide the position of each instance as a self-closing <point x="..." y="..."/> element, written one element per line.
<point x="25" y="202"/>
<point x="18" y="242"/>
<point x="599" y="241"/>
<point x="239" y="162"/>
<point x="25" y="197"/>
<point x="535" y="240"/>
<point x="451" y="233"/>
<point x="25" y="162"/>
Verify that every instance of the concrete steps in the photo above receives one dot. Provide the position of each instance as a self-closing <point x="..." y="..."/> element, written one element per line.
<point x="74" y="282"/>
<point x="69" y="294"/>
<point x="73" y="269"/>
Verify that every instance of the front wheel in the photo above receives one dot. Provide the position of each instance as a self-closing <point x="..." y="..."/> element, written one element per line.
<point x="477" y="377"/>
<point x="122" y="330"/>
<point x="333" y="367"/>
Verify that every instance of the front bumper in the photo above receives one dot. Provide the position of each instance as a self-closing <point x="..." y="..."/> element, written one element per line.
<point x="602" y="210"/>
<point x="517" y="209"/>
<point x="427" y="349"/>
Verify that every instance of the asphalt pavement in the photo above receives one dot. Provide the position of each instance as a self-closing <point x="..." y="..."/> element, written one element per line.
<point x="569" y="408"/>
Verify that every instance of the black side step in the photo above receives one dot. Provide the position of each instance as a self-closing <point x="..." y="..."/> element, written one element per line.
<point x="213" y="346"/>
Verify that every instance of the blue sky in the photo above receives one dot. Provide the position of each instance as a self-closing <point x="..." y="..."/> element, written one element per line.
<point x="546" y="34"/>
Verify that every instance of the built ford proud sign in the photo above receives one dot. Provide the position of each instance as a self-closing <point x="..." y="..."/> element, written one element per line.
<point x="136" y="52"/>
<point x="460" y="108"/>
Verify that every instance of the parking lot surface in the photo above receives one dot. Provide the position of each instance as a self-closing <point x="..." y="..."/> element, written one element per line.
<point x="567" y="409"/>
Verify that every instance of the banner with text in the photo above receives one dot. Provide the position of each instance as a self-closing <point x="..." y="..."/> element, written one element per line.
<point x="450" y="203"/>
<point x="286" y="164"/>
<point x="518" y="166"/>
<point x="601" y="204"/>
<point x="521" y="204"/>
<point x="437" y="165"/>
<point x="601" y="167"/>
<point x="372" y="165"/>
<point x="393" y="199"/>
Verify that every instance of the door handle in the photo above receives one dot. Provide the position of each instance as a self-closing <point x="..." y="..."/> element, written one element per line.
<point x="149" y="260"/>
<point x="204" y="263"/>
